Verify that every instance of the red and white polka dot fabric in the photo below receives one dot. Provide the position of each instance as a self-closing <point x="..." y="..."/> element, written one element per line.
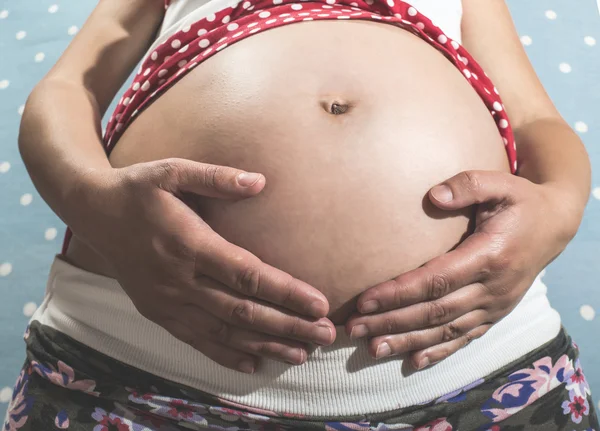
<point x="189" y="47"/>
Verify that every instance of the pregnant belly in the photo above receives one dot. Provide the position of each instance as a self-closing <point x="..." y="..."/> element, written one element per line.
<point x="351" y="123"/>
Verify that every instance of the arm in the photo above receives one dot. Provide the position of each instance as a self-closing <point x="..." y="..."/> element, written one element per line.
<point x="61" y="121"/>
<point x="209" y="293"/>
<point x="522" y="222"/>
<point x="549" y="151"/>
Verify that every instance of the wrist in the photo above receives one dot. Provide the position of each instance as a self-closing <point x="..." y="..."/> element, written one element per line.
<point x="86" y="198"/>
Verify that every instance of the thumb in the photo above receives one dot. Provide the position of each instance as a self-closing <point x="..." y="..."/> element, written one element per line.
<point x="181" y="175"/>
<point x="473" y="187"/>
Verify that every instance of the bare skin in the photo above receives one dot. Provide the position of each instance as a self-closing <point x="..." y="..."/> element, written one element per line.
<point x="349" y="144"/>
<point x="132" y="218"/>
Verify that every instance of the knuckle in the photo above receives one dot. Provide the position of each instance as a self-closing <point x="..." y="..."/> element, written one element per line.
<point x="248" y="281"/>
<point x="399" y="292"/>
<point x="220" y="331"/>
<point x="293" y="329"/>
<point x="471" y="180"/>
<point x="169" y="168"/>
<point x="435" y="313"/>
<point x="290" y="288"/>
<point x="443" y="353"/>
<point x="469" y="336"/>
<point x="244" y="312"/>
<point x="450" y="331"/>
<point x="409" y="342"/>
<point x="389" y="325"/>
<point x="263" y="348"/>
<point x="439" y="286"/>
<point x="211" y="173"/>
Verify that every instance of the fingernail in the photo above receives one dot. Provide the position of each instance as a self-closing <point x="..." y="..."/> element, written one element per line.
<point x="247" y="179"/>
<point x="369" y="307"/>
<point x="359" y="331"/>
<point x="293" y="356"/>
<point x="324" y="335"/>
<point x="424" y="363"/>
<point x="442" y="193"/>
<point x="318" y="309"/>
<point x="246" y="366"/>
<point x="383" y="350"/>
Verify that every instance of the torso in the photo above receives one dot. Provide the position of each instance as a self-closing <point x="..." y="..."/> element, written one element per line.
<point x="345" y="203"/>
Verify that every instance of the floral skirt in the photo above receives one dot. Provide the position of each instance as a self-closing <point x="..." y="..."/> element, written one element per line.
<point x="67" y="385"/>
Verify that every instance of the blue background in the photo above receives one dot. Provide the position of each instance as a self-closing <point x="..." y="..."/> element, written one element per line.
<point x="30" y="234"/>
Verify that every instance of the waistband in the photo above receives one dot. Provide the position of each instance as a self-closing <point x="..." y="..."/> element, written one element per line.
<point x="337" y="380"/>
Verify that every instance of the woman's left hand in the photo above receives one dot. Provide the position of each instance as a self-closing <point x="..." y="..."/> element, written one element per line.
<point x="434" y="310"/>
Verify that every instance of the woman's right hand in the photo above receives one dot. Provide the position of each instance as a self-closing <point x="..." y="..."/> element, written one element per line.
<point x="179" y="273"/>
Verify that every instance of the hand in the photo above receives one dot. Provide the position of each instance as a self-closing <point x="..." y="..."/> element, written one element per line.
<point x="209" y="293"/>
<point x="441" y="306"/>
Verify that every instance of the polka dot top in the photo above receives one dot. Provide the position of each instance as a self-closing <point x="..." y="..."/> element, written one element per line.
<point x="198" y="40"/>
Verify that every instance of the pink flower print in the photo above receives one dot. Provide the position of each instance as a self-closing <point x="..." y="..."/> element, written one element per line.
<point x="440" y="424"/>
<point x="526" y="386"/>
<point x="109" y="422"/>
<point x="347" y="426"/>
<point x="261" y="412"/>
<point x="65" y="377"/>
<point x="577" y="406"/>
<point x="172" y="408"/>
<point x="577" y="382"/>
<point x="20" y="404"/>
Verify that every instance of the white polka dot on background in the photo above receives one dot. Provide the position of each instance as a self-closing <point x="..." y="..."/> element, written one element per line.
<point x="26" y="199"/>
<point x="3" y="14"/>
<point x="565" y="67"/>
<point x="4" y="83"/>
<point x="5" y="394"/>
<point x="72" y="30"/>
<point x="587" y="312"/>
<point x="589" y="41"/>
<point x="596" y="193"/>
<point x="550" y="14"/>
<point x="581" y="127"/>
<point x="39" y="57"/>
<point x="50" y="233"/>
<point x="4" y="167"/>
<point x="21" y="109"/>
<point x="53" y="8"/>
<point x="21" y="35"/>
<point x="5" y="269"/>
<point x="29" y="309"/>
<point x="526" y="40"/>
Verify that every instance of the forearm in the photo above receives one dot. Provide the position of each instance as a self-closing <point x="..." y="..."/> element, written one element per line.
<point x="60" y="141"/>
<point x="60" y="135"/>
<point x="550" y="152"/>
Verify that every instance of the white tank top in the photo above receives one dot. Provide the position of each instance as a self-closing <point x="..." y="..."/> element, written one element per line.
<point x="446" y="14"/>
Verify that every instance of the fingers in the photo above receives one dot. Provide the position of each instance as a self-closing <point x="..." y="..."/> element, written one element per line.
<point x="440" y="352"/>
<point x="466" y="264"/>
<point x="247" y="275"/>
<point x="210" y="328"/>
<point x="221" y="354"/>
<point x="180" y="175"/>
<point x="248" y="313"/>
<point x="419" y="316"/>
<point x="474" y="187"/>
<point x="432" y="343"/>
